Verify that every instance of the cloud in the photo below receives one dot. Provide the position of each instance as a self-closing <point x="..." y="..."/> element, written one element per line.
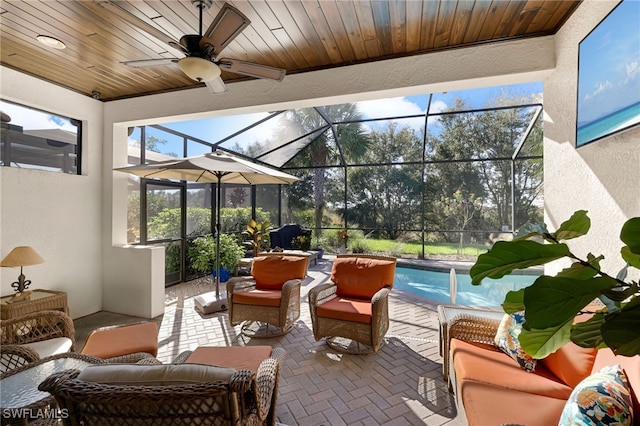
<point x="632" y="71"/>
<point x="598" y="89"/>
<point x="31" y="119"/>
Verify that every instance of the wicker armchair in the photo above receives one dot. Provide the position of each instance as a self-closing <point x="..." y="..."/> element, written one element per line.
<point x="270" y="296"/>
<point x="30" y="337"/>
<point x="355" y="306"/>
<point x="131" y="394"/>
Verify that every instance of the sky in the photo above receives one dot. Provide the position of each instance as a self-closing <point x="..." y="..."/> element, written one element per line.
<point x="215" y="129"/>
<point x="609" y="64"/>
<point x="32" y="119"/>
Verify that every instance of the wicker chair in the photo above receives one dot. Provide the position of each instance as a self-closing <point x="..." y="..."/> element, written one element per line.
<point x="30" y="337"/>
<point x="270" y="296"/>
<point x="355" y="305"/>
<point x="203" y="395"/>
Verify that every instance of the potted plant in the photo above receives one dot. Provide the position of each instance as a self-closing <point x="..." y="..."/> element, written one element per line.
<point x="202" y="255"/>
<point x="551" y="303"/>
<point x="301" y="242"/>
<point x="258" y="233"/>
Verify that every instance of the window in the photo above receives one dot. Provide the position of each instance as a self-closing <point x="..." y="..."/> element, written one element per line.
<point x="34" y="139"/>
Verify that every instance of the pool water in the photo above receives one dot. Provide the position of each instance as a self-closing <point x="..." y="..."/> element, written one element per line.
<point x="435" y="285"/>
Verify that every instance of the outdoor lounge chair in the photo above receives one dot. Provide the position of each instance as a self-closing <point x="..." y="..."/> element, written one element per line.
<point x="270" y="296"/>
<point x="355" y="305"/>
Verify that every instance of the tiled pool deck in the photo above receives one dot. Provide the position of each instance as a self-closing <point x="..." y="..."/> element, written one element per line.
<point x="399" y="385"/>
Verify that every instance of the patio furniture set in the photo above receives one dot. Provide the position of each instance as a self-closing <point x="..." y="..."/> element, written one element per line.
<point x="117" y="379"/>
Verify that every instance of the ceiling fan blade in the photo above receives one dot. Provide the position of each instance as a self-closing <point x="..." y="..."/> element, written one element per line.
<point x="150" y="62"/>
<point x="216" y="85"/>
<point x="251" y="69"/>
<point x="226" y="26"/>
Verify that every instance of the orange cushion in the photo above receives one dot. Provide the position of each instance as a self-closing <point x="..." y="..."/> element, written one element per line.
<point x="258" y="297"/>
<point x="238" y="357"/>
<point x="346" y="310"/>
<point x="360" y="277"/>
<point x="476" y="363"/>
<point x="571" y="363"/>
<point x="123" y="340"/>
<point x="271" y="272"/>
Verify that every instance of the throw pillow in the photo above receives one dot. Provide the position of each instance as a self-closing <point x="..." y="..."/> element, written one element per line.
<point x="507" y="340"/>
<point x="604" y="398"/>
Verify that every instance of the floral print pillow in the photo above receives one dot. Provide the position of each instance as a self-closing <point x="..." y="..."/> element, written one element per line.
<point x="507" y="340"/>
<point x="604" y="398"/>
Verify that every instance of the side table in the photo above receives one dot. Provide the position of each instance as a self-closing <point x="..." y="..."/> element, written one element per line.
<point x="447" y="314"/>
<point x="38" y="300"/>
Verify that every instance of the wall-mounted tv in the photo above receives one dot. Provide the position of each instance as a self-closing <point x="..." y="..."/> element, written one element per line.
<point x="609" y="75"/>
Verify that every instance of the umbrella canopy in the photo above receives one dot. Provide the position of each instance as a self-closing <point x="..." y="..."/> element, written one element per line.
<point x="216" y="167"/>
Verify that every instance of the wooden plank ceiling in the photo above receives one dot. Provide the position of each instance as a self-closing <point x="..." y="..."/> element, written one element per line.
<point x="297" y="35"/>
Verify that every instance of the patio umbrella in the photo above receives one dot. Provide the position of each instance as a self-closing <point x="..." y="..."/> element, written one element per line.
<point x="216" y="167"/>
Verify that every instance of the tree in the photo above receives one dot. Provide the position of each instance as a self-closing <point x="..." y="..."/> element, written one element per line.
<point x="387" y="198"/>
<point x="338" y="144"/>
<point x="482" y="144"/>
<point x="458" y="211"/>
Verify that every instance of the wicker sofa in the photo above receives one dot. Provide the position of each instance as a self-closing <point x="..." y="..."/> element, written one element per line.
<point x="493" y="389"/>
<point x="167" y="394"/>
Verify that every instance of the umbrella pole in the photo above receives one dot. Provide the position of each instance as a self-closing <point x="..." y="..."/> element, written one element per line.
<point x="219" y="196"/>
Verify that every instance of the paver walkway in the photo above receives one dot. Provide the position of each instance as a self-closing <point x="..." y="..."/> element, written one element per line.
<point x="399" y="385"/>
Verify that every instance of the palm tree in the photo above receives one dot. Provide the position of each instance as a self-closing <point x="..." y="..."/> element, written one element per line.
<point x="337" y="144"/>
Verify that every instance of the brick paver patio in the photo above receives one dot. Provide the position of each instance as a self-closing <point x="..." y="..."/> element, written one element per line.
<point x="399" y="385"/>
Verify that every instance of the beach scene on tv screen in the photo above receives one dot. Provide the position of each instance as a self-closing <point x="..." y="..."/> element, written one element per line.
<point x="609" y="75"/>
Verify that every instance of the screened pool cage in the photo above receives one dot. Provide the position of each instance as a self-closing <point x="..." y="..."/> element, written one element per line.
<point x="438" y="182"/>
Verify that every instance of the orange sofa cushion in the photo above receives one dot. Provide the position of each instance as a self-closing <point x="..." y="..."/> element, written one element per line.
<point x="571" y="363"/>
<point x="346" y="310"/>
<point x="238" y="357"/>
<point x="258" y="297"/>
<point x="272" y="271"/>
<point x="487" y="365"/>
<point x="123" y="340"/>
<point x="358" y="277"/>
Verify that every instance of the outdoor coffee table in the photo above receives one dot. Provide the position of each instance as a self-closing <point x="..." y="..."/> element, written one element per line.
<point x="447" y="314"/>
<point x="20" y="399"/>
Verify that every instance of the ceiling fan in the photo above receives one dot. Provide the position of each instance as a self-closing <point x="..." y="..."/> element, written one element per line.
<point x="202" y="50"/>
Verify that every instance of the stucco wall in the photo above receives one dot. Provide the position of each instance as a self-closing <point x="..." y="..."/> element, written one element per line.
<point x="602" y="177"/>
<point x="59" y="215"/>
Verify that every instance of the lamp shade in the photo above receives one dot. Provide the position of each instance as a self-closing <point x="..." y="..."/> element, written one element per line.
<point x="22" y="256"/>
<point x="199" y="69"/>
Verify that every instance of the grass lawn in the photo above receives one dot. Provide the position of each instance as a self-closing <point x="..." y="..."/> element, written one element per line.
<point x="415" y="248"/>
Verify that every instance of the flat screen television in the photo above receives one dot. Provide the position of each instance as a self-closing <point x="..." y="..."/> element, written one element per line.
<point x="609" y="75"/>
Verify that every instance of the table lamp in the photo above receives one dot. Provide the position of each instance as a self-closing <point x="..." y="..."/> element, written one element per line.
<point x="21" y="256"/>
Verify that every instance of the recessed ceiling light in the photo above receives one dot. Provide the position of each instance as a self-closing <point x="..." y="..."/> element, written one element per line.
<point x="51" y="42"/>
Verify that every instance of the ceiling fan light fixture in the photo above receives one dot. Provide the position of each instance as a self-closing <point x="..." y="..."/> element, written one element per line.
<point x="51" y="42"/>
<point x="199" y="69"/>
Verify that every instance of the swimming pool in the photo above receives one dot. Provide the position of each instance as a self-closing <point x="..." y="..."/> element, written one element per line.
<point x="435" y="285"/>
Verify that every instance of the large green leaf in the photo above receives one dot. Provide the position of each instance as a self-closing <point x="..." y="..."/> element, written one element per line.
<point x="630" y="234"/>
<point x="581" y="271"/>
<point x="514" y="301"/>
<point x="588" y="334"/>
<point x="505" y="256"/>
<point x="551" y="301"/>
<point x="576" y="226"/>
<point x="631" y="258"/>
<point x="621" y="332"/>
<point x="539" y="343"/>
